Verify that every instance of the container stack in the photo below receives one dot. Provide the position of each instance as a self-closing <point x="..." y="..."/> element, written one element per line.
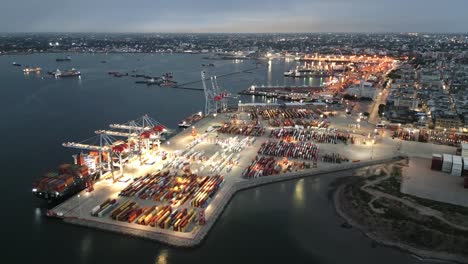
<point x="465" y="167"/>
<point x="436" y="162"/>
<point x="464" y="150"/>
<point x="457" y="166"/>
<point x="447" y="163"/>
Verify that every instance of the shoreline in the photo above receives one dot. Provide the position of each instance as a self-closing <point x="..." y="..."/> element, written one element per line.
<point x="420" y="253"/>
<point x="197" y="236"/>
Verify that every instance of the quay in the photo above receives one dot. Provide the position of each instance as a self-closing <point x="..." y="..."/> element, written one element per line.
<point x="197" y="236"/>
<point x="265" y="156"/>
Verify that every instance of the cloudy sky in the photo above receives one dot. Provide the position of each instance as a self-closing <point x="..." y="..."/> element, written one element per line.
<point x="234" y="16"/>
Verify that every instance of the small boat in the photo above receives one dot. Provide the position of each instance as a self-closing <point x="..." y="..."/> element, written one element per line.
<point x="16" y="64"/>
<point x="68" y="58"/>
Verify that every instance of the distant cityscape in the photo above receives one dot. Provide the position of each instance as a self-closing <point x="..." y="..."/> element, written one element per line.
<point x="248" y="45"/>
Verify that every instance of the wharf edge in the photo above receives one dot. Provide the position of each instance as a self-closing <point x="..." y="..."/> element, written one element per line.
<point x="195" y="238"/>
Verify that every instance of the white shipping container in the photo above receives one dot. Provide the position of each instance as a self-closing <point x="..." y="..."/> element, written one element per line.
<point x="465" y="164"/>
<point x="447" y="163"/>
<point x="457" y="166"/>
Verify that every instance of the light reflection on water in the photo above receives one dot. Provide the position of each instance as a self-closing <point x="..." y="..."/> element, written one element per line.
<point x="162" y="257"/>
<point x="37" y="215"/>
<point x="299" y="194"/>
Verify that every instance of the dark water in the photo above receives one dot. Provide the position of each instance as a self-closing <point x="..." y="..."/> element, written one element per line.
<point x="291" y="222"/>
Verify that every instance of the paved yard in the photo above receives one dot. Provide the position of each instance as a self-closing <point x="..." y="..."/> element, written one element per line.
<point x="419" y="180"/>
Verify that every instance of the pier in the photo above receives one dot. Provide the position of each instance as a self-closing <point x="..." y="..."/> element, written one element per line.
<point x="77" y="210"/>
<point x="197" y="236"/>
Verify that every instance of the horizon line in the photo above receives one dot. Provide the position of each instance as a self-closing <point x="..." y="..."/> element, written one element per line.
<point x="214" y="32"/>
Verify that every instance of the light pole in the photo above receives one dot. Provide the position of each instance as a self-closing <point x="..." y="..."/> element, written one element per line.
<point x="79" y="204"/>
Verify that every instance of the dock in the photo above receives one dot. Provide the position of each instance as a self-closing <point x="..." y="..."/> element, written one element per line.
<point x="196" y="237"/>
<point x="77" y="210"/>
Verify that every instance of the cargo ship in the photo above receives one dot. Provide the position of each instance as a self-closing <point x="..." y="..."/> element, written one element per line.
<point x="68" y="58"/>
<point x="68" y="180"/>
<point x="189" y="121"/>
<point x="69" y="73"/>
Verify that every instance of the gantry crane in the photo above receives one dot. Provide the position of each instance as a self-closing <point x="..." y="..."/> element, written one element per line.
<point x="143" y="130"/>
<point x="105" y="146"/>
<point x="215" y="100"/>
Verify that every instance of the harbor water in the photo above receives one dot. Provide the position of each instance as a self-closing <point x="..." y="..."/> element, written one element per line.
<point x="291" y="222"/>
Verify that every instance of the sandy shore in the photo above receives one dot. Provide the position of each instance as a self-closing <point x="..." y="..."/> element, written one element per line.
<point x="424" y="254"/>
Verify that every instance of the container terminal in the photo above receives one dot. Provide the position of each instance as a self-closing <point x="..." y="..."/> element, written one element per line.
<point x="141" y="179"/>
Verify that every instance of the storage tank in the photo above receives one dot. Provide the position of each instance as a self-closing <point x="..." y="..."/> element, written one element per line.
<point x="447" y="163"/>
<point x="436" y="162"/>
<point x="457" y="166"/>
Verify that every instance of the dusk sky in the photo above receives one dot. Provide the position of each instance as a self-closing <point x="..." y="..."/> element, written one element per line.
<point x="234" y="16"/>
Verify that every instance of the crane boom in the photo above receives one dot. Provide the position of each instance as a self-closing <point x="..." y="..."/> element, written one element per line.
<point x="119" y="126"/>
<point x="115" y="133"/>
<point x="84" y="146"/>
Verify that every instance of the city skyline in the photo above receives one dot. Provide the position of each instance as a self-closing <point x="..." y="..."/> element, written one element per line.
<point x="207" y="16"/>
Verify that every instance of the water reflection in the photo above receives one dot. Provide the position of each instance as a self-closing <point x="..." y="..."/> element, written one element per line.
<point x="282" y="187"/>
<point x="299" y="195"/>
<point x="162" y="258"/>
<point x="86" y="246"/>
<point x="257" y="194"/>
<point x="37" y="215"/>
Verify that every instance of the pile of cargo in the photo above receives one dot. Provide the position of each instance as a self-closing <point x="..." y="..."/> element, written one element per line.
<point x="196" y="141"/>
<point x="104" y="208"/>
<point x="453" y="164"/>
<point x="457" y="166"/>
<point x="168" y="187"/>
<point x="298" y="150"/>
<point x="208" y="188"/>
<point x="234" y="144"/>
<point x="127" y="212"/>
<point x="447" y="163"/>
<point x="262" y="166"/>
<point x="293" y="134"/>
<point x="165" y="217"/>
<point x="405" y="135"/>
<point x="334" y="158"/>
<point x="284" y="113"/>
<point x="436" y="162"/>
<point x="442" y="137"/>
<point x="57" y="183"/>
<point x="303" y="123"/>
<point x="221" y="160"/>
<point x="246" y="129"/>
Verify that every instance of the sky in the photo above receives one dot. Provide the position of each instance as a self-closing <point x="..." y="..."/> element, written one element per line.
<point x="234" y="16"/>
